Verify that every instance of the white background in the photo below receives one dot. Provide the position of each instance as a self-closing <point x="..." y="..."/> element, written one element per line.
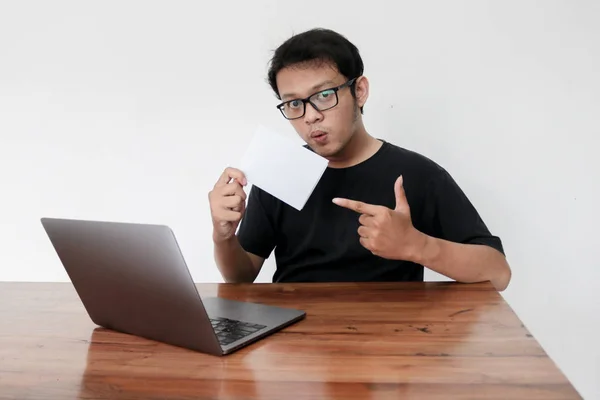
<point x="129" y="111"/>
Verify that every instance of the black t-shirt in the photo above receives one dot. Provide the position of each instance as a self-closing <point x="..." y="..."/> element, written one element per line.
<point x="321" y="242"/>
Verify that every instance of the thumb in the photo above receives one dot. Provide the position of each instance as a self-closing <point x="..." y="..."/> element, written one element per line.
<point x="401" y="202"/>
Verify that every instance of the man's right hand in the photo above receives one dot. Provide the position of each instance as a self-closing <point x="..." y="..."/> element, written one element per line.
<point x="227" y="203"/>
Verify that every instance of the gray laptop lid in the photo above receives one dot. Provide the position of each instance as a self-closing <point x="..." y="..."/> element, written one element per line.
<point x="132" y="278"/>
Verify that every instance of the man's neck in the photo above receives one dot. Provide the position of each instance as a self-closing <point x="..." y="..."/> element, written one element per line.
<point x="361" y="147"/>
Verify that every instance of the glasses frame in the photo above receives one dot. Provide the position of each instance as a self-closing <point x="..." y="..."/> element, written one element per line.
<point x="307" y="99"/>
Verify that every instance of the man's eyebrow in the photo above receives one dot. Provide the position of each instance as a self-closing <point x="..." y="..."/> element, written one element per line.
<point x="314" y="88"/>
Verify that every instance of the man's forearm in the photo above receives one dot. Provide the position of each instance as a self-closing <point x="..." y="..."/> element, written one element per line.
<point x="233" y="261"/>
<point x="466" y="263"/>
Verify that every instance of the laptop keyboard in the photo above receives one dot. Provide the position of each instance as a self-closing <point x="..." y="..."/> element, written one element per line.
<point x="230" y="330"/>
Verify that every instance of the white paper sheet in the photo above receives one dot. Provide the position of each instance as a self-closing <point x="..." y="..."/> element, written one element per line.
<point x="281" y="167"/>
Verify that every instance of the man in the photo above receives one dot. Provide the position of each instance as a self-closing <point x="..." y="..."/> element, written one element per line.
<point x="379" y="212"/>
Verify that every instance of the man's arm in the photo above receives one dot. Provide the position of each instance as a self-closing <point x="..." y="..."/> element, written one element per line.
<point x="228" y="207"/>
<point x="389" y="233"/>
<point x="466" y="263"/>
<point x="234" y="263"/>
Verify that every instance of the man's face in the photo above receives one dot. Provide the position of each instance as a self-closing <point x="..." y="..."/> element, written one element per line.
<point x="326" y="132"/>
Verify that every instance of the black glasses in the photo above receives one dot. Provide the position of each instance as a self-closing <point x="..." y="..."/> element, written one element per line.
<point x="321" y="101"/>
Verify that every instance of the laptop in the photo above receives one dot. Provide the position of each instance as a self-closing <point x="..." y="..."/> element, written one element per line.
<point x="132" y="278"/>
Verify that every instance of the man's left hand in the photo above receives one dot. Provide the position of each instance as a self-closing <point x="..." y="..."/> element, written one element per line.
<point x="385" y="232"/>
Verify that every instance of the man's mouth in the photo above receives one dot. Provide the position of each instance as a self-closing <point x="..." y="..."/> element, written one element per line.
<point x="319" y="137"/>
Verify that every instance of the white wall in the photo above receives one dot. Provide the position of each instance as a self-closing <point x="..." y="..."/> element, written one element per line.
<point x="129" y="111"/>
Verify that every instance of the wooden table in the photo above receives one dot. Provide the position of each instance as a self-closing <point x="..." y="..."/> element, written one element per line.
<point x="358" y="341"/>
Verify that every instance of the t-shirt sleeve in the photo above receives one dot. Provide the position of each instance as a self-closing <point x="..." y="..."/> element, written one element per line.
<point x="452" y="215"/>
<point x="256" y="232"/>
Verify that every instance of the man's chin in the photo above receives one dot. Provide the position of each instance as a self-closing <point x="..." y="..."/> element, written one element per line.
<point x="326" y="151"/>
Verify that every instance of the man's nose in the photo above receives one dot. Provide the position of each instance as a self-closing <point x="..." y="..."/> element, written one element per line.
<point x="311" y="114"/>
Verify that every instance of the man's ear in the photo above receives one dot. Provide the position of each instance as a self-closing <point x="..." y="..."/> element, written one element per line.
<point x="361" y="90"/>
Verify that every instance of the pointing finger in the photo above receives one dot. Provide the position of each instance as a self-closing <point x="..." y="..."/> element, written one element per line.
<point x="358" y="206"/>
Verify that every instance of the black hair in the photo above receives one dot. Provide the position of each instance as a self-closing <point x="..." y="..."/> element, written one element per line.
<point x="317" y="45"/>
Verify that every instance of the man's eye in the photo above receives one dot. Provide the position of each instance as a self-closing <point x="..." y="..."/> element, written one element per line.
<point x="325" y="95"/>
<point x="293" y="104"/>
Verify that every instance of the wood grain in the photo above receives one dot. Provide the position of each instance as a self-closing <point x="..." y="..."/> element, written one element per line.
<point x="359" y="341"/>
